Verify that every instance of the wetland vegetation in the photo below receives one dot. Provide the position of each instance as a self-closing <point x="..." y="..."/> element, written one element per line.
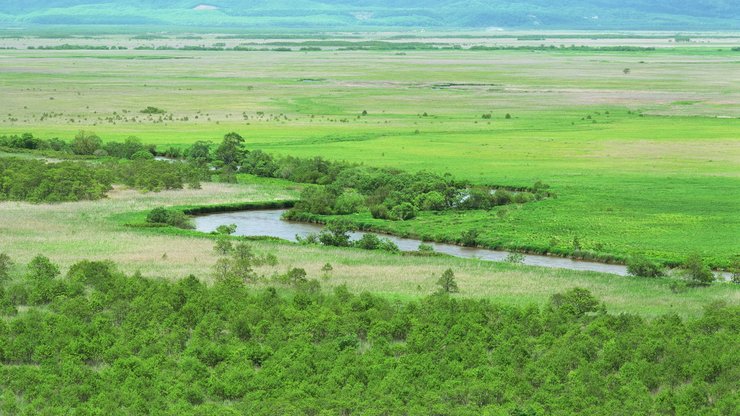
<point x="613" y="147"/>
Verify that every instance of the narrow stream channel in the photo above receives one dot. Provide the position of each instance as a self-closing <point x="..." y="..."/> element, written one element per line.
<point x="269" y="223"/>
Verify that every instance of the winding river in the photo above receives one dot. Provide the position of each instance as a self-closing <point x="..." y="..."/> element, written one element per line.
<point x="269" y="223"/>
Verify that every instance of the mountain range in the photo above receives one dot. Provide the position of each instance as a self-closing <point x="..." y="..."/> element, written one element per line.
<point x="354" y="14"/>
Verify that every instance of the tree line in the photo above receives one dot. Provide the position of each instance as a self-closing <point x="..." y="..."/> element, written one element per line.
<point x="346" y="188"/>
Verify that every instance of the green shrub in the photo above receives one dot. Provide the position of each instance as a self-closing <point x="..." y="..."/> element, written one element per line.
<point x="142" y="155"/>
<point x="5" y="265"/>
<point x="641" y="266"/>
<point x="336" y="233"/>
<point x="403" y="212"/>
<point x="380" y="212"/>
<point x="349" y="202"/>
<point x="169" y="217"/>
<point x="697" y="271"/>
<point x="152" y="110"/>
<point x="469" y="238"/>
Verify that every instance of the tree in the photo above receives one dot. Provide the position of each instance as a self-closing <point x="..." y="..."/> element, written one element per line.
<point x="238" y="267"/>
<point x="5" y="264"/>
<point x="231" y="151"/>
<point x="86" y="143"/>
<point x="296" y="276"/>
<point x="626" y="71"/>
<point x="199" y="153"/>
<point x="336" y="233"/>
<point x="697" y="271"/>
<point x="575" y="302"/>
<point x="447" y="283"/>
<point x="349" y="202"/>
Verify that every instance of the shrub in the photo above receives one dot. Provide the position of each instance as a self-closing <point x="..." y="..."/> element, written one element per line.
<point x="316" y="200"/>
<point x="223" y="246"/>
<point x="336" y="233"/>
<point x="641" y="266"/>
<point x="5" y="265"/>
<point x="404" y="211"/>
<point x="311" y="238"/>
<point x="295" y="276"/>
<point x="226" y="229"/>
<point x="368" y="241"/>
<point x="349" y="202"/>
<point x="142" y="155"/>
<point x="86" y="143"/>
<point x="697" y="271"/>
<point x="515" y="258"/>
<point x="152" y="110"/>
<point x="388" y="245"/>
<point x="469" y="238"/>
<point x="380" y="212"/>
<point x="431" y="201"/>
<point x="169" y="217"/>
<point x="425" y="248"/>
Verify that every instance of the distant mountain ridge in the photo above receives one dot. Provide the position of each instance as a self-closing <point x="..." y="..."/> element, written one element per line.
<point x="337" y="14"/>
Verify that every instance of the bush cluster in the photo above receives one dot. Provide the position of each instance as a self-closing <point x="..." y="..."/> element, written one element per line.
<point x="38" y="181"/>
<point x="164" y="216"/>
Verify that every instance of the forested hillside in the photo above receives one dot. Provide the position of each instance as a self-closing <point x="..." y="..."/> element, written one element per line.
<point x="540" y="14"/>
<point x="100" y="342"/>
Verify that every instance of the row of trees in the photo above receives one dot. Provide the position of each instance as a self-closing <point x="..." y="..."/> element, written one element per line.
<point x="345" y="188"/>
<point x="96" y="341"/>
<point x="86" y="143"/>
<point x="39" y="181"/>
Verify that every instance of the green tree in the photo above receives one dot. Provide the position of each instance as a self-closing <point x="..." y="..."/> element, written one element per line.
<point x="86" y="143"/>
<point x="575" y="302"/>
<point x="349" y="202"/>
<point x="238" y="267"/>
<point x="336" y="233"/>
<point x="447" y="282"/>
<point x="5" y="265"/>
<point x="199" y="153"/>
<point x="231" y="151"/>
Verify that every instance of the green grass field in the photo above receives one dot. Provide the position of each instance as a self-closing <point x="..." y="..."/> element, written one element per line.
<point x="642" y="163"/>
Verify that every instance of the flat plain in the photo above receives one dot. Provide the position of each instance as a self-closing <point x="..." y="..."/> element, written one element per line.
<point x="641" y="147"/>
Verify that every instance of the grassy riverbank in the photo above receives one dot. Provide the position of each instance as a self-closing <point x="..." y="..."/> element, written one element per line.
<point x="70" y="232"/>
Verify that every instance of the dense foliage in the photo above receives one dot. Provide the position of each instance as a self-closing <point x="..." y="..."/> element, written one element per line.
<point x="38" y="181"/>
<point x="85" y="143"/>
<point x="345" y="188"/>
<point x="99" y="342"/>
<point x="163" y="216"/>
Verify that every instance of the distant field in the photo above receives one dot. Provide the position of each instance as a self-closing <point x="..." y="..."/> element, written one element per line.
<point x="645" y="160"/>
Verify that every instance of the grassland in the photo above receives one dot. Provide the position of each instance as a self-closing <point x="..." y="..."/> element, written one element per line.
<point x="642" y="163"/>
